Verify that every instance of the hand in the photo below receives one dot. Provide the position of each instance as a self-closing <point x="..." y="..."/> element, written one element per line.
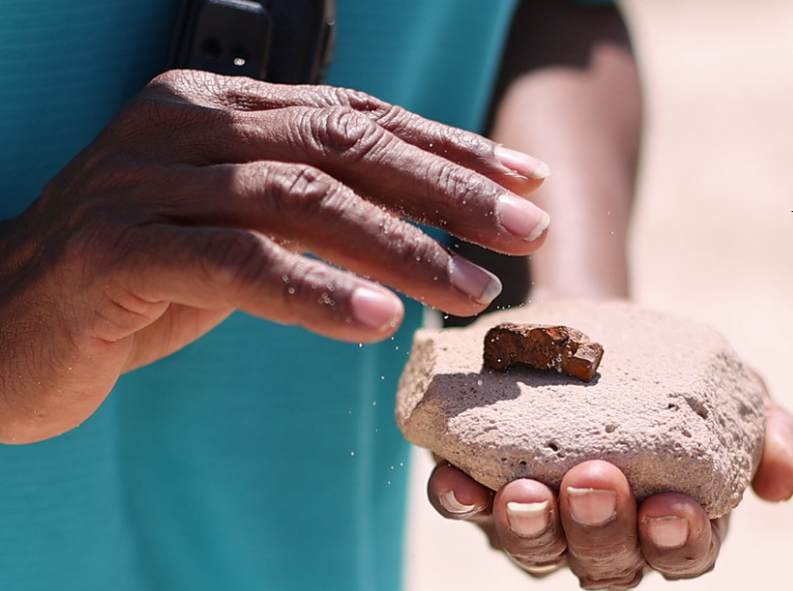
<point x="594" y="526"/>
<point x="200" y="198"/>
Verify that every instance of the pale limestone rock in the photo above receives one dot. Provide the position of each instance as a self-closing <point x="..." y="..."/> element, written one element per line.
<point x="671" y="405"/>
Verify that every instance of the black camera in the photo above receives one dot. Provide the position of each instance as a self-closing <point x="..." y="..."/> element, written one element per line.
<point x="284" y="41"/>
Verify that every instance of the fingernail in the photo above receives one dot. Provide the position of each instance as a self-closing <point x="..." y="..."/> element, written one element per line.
<point x="528" y="519"/>
<point x="668" y="532"/>
<point x="452" y="505"/>
<point x="521" y="163"/>
<point x="477" y="283"/>
<point x="377" y="309"/>
<point x="592" y="506"/>
<point x="522" y="218"/>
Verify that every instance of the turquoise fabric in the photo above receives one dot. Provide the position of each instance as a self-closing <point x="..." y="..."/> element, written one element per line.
<point x="66" y="68"/>
<point x="262" y="456"/>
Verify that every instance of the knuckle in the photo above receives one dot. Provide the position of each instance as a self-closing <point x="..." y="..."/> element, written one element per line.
<point x="343" y="133"/>
<point x="214" y="90"/>
<point x="608" y="558"/>
<point x="616" y="567"/>
<point x="235" y="92"/>
<point x="176" y="101"/>
<point x="386" y="115"/>
<point x="232" y="258"/>
<point x="359" y="101"/>
<point x="464" y="141"/>
<point x="436" y="135"/>
<point x="460" y="187"/>
<point x="303" y="191"/>
<point x="152" y="115"/>
<point x="390" y="116"/>
<point x="189" y="85"/>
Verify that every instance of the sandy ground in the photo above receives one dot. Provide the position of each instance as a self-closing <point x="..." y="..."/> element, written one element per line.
<point x="713" y="240"/>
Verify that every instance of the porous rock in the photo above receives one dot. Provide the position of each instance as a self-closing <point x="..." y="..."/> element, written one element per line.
<point x="672" y="405"/>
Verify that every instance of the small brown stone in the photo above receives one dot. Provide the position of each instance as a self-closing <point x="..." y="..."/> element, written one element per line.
<point x="543" y="346"/>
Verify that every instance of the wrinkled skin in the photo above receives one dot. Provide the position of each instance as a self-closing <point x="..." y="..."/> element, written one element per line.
<point x="200" y="198"/>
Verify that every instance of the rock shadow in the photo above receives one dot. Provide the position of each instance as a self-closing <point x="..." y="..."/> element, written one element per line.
<point x="460" y="392"/>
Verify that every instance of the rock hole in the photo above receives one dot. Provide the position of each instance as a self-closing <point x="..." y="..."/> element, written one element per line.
<point x="698" y="407"/>
<point x="611" y="428"/>
<point x="552" y="446"/>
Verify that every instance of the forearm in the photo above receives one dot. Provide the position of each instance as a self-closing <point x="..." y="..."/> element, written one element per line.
<point x="570" y="94"/>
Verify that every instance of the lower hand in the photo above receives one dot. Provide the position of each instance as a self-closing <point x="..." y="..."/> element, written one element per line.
<point x="594" y="525"/>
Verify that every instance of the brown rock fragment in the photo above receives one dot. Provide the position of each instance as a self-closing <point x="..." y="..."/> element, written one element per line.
<point x="543" y="346"/>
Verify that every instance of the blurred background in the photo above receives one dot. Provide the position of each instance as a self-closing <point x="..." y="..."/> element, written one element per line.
<point x="712" y="240"/>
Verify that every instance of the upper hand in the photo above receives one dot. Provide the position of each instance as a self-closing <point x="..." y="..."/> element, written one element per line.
<point x="200" y="198"/>
<point x="594" y="525"/>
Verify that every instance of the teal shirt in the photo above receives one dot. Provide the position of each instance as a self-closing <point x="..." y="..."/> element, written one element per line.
<point x="261" y="457"/>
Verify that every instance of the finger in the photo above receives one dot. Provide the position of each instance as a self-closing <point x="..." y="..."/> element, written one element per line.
<point x="598" y="513"/>
<point x="399" y="176"/>
<point x="396" y="175"/>
<point x="773" y="480"/>
<point x="677" y="539"/>
<point x="408" y="180"/>
<point x="517" y="172"/>
<point x="310" y="211"/>
<point x="222" y="268"/>
<point x="527" y="520"/>
<point x="455" y="495"/>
